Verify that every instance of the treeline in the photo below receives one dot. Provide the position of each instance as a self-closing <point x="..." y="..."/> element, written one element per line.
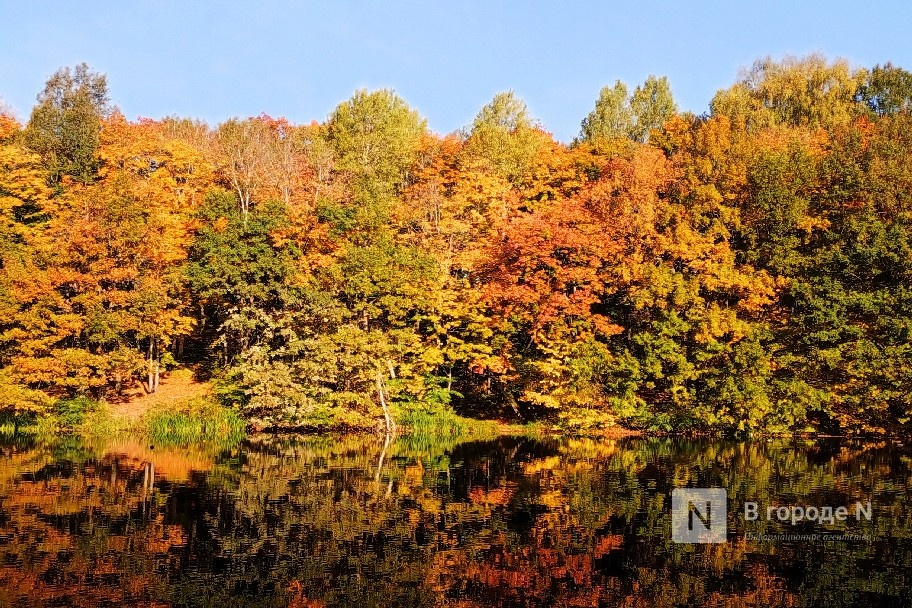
<point x="749" y="269"/>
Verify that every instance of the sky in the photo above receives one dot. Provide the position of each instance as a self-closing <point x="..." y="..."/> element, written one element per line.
<point x="217" y="60"/>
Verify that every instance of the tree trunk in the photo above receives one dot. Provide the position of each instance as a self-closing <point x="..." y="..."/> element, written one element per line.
<point x="151" y="378"/>
<point x="157" y="366"/>
<point x="390" y="425"/>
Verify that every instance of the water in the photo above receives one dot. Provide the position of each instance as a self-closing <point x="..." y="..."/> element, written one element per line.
<point x="511" y="522"/>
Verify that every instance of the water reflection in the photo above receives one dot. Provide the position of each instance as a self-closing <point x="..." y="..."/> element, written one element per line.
<point x="514" y="522"/>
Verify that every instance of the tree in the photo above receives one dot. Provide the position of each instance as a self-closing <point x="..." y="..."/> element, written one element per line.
<point x="94" y="275"/>
<point x="651" y="104"/>
<point x="807" y="91"/>
<point x="64" y="127"/>
<point x="618" y="114"/>
<point x="612" y="116"/>
<point x="168" y="178"/>
<point x="504" y="137"/>
<point x="244" y="154"/>
<point x="886" y="90"/>
<point x="23" y="197"/>
<point x="9" y="126"/>
<point x="376" y="137"/>
<point x="849" y="299"/>
<point x="240" y="274"/>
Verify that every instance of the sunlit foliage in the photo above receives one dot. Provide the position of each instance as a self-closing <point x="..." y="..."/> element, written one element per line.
<point x="744" y="270"/>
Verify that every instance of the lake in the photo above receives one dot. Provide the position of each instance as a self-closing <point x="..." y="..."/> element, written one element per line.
<point x="359" y="521"/>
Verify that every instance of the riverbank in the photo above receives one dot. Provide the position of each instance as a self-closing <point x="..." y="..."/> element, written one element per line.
<point x="185" y="409"/>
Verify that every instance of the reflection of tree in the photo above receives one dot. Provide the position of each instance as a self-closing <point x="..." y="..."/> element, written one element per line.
<point x="82" y="533"/>
<point x="512" y="522"/>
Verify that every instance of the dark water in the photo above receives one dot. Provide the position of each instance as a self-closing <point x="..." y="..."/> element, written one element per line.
<point x="511" y="522"/>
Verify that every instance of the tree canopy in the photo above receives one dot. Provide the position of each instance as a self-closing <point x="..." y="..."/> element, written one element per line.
<point x="743" y="270"/>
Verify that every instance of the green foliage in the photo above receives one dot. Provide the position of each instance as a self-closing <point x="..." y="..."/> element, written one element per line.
<point x="887" y="90"/>
<point x="196" y="420"/>
<point x="432" y="419"/>
<point x="72" y="412"/>
<point x="240" y="274"/>
<point x="634" y="116"/>
<point x="503" y="137"/>
<point x="80" y="416"/>
<point x="64" y="127"/>
<point x="652" y="104"/>
<point x="376" y="136"/>
<point x="612" y="116"/>
<point x="775" y="211"/>
<point x="851" y="299"/>
<point x="806" y="91"/>
<point x="436" y="428"/>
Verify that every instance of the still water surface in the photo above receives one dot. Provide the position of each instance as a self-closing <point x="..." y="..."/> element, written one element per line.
<point x="513" y="522"/>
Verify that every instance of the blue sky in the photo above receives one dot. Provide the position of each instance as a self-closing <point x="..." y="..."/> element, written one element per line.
<point x="214" y="60"/>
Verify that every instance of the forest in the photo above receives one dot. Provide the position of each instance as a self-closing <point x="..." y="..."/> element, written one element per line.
<point x="746" y="270"/>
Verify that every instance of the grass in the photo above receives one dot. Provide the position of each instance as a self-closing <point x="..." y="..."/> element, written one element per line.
<point x="201" y="419"/>
<point x="194" y="420"/>
<point x="442" y="421"/>
<point x="77" y="416"/>
<point x="197" y="419"/>
<point x="432" y="429"/>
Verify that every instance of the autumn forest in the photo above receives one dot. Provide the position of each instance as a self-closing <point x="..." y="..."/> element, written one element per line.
<point x="746" y="270"/>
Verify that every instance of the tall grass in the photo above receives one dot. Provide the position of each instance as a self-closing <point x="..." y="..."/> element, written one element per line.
<point x="440" y="422"/>
<point x="74" y="416"/>
<point x="196" y="420"/>
<point x="432" y="428"/>
<point x="18" y="423"/>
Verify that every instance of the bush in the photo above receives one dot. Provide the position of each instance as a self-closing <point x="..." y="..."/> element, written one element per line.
<point x="71" y="414"/>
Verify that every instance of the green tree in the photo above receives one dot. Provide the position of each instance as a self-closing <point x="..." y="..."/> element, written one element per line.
<point x="504" y="137"/>
<point x="240" y="274"/>
<point x="851" y="320"/>
<point x="887" y="90"/>
<point x="651" y="104"/>
<point x="618" y="114"/>
<point x="795" y="91"/>
<point x="376" y="136"/>
<point x="64" y="127"/>
<point x="612" y="116"/>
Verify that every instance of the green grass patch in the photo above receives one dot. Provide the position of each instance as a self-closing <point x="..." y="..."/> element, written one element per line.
<point x="20" y="423"/>
<point x="441" y="421"/>
<point x="433" y="428"/>
<point x="79" y="414"/>
<point x="76" y="416"/>
<point x="198" y="419"/>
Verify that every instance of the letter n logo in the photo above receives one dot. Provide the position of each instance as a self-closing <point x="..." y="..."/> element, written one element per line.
<point x="699" y="515"/>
